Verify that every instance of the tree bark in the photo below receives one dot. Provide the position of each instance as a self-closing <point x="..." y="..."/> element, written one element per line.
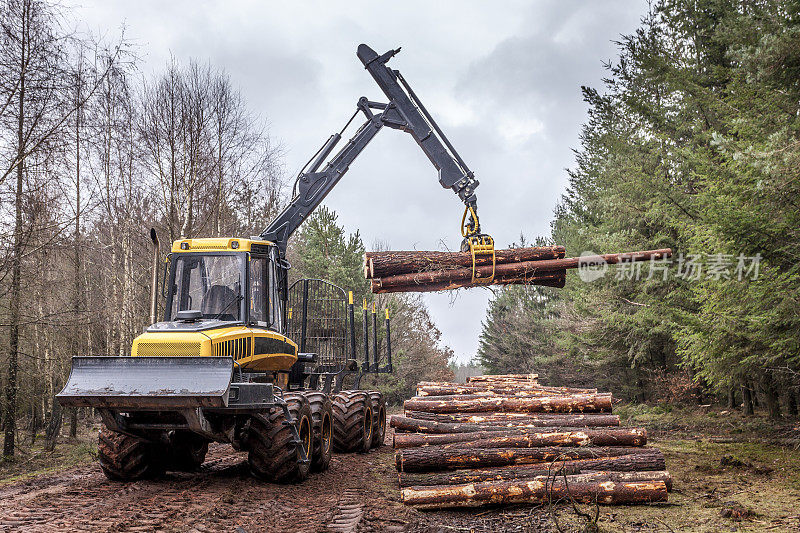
<point x="547" y="279"/>
<point x="389" y="263"/>
<point x="642" y="462"/>
<point x="536" y="491"/>
<point x="432" y="388"/>
<point x="526" y="438"/>
<point x="589" y="403"/>
<point x="432" y="458"/>
<point x="514" y="378"/>
<point x="416" y="425"/>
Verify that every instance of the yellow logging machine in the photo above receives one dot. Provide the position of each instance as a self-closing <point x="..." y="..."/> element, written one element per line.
<point x="242" y="357"/>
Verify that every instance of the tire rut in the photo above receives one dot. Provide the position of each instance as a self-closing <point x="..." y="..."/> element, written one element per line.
<point x="348" y="513"/>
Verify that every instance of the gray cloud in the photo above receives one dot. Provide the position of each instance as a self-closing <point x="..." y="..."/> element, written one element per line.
<point x="503" y="80"/>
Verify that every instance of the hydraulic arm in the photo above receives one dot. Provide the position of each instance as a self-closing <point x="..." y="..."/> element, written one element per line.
<point x="403" y="111"/>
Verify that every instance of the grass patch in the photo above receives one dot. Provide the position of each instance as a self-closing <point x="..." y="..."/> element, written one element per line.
<point x="31" y="461"/>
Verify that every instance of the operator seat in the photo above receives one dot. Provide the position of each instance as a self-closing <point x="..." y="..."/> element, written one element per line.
<point x="216" y="299"/>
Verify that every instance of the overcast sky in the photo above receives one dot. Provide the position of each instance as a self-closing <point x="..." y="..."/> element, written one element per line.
<point x="502" y="79"/>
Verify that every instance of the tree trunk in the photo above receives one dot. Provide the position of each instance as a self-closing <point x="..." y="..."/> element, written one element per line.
<point x="53" y="427"/>
<point x="73" y="422"/>
<point x="732" y="398"/>
<point x="773" y="401"/>
<point x="747" y="400"/>
<point x="526" y="438"/>
<point x="415" y="425"/>
<point x="582" y="488"/>
<point x="432" y="458"/>
<point x="9" y="428"/>
<point x="791" y="404"/>
<point x="641" y="462"/>
<point x="589" y="403"/>
<point x="380" y="264"/>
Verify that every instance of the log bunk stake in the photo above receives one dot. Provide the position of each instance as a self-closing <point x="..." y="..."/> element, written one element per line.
<point x="507" y="439"/>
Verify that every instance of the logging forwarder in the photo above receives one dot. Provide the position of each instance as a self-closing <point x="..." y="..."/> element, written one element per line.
<point x="221" y="365"/>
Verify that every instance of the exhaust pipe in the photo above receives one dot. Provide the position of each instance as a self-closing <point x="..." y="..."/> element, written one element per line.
<point x="154" y="280"/>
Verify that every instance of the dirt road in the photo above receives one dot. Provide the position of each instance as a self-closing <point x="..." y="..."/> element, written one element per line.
<point x="221" y="497"/>
<point x="358" y="493"/>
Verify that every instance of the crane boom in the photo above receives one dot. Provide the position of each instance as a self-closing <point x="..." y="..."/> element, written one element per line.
<point x="405" y="112"/>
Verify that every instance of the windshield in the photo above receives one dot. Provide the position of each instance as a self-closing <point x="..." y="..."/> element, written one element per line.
<point x="210" y="284"/>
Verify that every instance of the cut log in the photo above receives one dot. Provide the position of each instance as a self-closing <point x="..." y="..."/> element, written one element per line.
<point x="527" y="438"/>
<point x="417" y="425"/>
<point x="525" y="270"/>
<point x="426" y="388"/>
<point x="548" y="474"/>
<point x="536" y="491"/>
<point x="524" y="378"/>
<point x="432" y="458"/>
<point x="587" y="403"/>
<point x="640" y="462"/>
<point x="379" y="264"/>
<point x="546" y="419"/>
<point x="546" y="279"/>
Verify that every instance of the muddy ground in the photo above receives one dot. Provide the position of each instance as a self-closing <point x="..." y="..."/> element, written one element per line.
<point x="733" y="483"/>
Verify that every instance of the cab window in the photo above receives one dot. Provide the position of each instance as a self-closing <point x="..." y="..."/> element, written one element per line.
<point x="258" y="289"/>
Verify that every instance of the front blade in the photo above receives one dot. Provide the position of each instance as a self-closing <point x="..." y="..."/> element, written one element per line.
<point x="148" y="383"/>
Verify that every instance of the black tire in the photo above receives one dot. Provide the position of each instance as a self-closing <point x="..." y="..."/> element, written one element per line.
<point x="126" y="458"/>
<point x="187" y="452"/>
<point x="352" y="421"/>
<point x="379" y="420"/>
<point x="322" y="418"/>
<point x="273" y="454"/>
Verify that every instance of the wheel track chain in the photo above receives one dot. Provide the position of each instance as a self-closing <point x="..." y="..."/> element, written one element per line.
<point x="348" y="513"/>
<point x="351" y="409"/>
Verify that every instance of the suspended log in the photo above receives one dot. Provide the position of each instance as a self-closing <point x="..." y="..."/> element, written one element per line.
<point x="555" y="279"/>
<point x="525" y="270"/>
<point x="527" y="438"/>
<point x="587" y="403"/>
<point x="416" y="425"/>
<point x="640" y="462"/>
<point x="380" y="264"/>
<point x="583" y="488"/>
<point x="432" y="458"/>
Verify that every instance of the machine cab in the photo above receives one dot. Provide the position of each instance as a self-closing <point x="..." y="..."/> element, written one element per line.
<point x="216" y="282"/>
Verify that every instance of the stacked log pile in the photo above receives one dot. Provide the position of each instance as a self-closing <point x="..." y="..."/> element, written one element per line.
<point x="426" y="271"/>
<point x="508" y="439"/>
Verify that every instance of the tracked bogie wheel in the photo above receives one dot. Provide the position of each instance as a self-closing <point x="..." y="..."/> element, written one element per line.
<point x="126" y="458"/>
<point x="322" y="417"/>
<point x="352" y="421"/>
<point x="273" y="453"/>
<point x="379" y="422"/>
<point x="187" y="452"/>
